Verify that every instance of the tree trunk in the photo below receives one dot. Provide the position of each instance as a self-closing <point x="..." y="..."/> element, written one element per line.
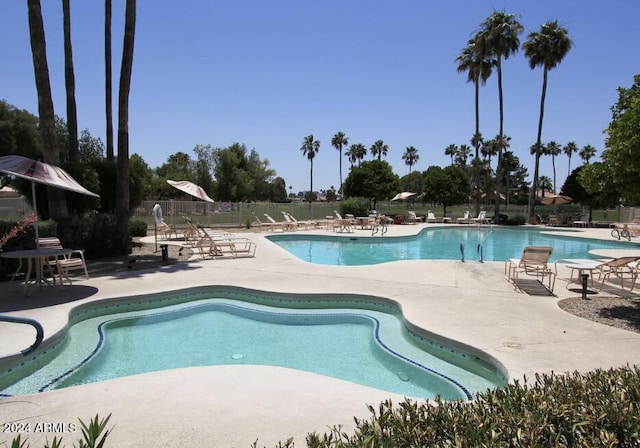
<point x="56" y="199"/>
<point x="500" y="143"/>
<point x="70" y="84"/>
<point x="107" y="78"/>
<point x="536" y="171"/>
<point x="477" y="145"/>
<point x="122" y="182"/>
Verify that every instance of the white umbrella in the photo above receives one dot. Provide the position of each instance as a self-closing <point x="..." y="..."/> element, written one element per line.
<point x="403" y="195"/>
<point x="190" y="188"/>
<point x="42" y="173"/>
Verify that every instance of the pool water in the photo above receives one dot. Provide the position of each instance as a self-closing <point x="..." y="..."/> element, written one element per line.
<point x="369" y="346"/>
<point x="490" y="244"/>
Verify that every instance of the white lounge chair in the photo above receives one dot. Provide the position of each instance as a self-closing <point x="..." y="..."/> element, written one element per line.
<point x="466" y="218"/>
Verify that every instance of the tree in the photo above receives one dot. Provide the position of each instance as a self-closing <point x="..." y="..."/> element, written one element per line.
<point x="374" y="180"/>
<point x="447" y="186"/>
<point x="462" y="155"/>
<point x="545" y="48"/>
<point x="569" y="149"/>
<point x="310" y="148"/>
<point x="598" y="180"/>
<point x="553" y="149"/>
<point x="338" y="141"/>
<point x="122" y="181"/>
<point x="56" y="200"/>
<point x="357" y="152"/>
<point x="107" y="79"/>
<point x="70" y="84"/>
<point x="19" y="133"/>
<point x="489" y="149"/>
<point x="622" y="151"/>
<point x="451" y="151"/>
<point x="545" y="184"/>
<point x="478" y="68"/>
<point x="379" y="149"/>
<point x="498" y="39"/>
<point x="410" y="157"/>
<point x="587" y="153"/>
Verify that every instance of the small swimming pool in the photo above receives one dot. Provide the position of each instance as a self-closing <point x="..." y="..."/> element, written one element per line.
<point x="362" y="340"/>
<point x="444" y="243"/>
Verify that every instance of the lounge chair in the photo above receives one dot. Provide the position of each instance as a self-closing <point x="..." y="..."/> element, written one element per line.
<point x="582" y="222"/>
<point x="447" y="218"/>
<point x="431" y="217"/>
<point x="284" y="225"/>
<point x="552" y="220"/>
<point x="627" y="230"/>
<point x="341" y="224"/>
<point x="620" y="268"/>
<point x="482" y="219"/>
<point x="63" y="264"/>
<point x="466" y="218"/>
<point x="271" y="224"/>
<point x="533" y="261"/>
<point x="412" y="218"/>
<point x="214" y="244"/>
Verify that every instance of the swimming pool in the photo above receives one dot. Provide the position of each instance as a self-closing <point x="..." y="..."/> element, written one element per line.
<point x="444" y="243"/>
<point x="360" y="339"/>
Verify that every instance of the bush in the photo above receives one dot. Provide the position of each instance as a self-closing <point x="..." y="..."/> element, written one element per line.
<point x="97" y="233"/>
<point x="137" y="227"/>
<point x="600" y="408"/>
<point x="355" y="207"/>
<point x="517" y="220"/>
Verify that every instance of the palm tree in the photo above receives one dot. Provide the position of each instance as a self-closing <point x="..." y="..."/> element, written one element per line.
<point x="498" y="39"/>
<point x="478" y="70"/>
<point x="451" y="151"/>
<point x="462" y="155"/>
<point x="568" y="150"/>
<point x="70" y="84"/>
<point x="56" y="199"/>
<point x="410" y="157"/>
<point x="351" y="155"/>
<point x="359" y="151"/>
<point x="379" y="149"/>
<point x="107" y="79"/>
<point x="489" y="149"/>
<point x="310" y="148"/>
<point x="122" y="181"/>
<point x="587" y="153"/>
<point x="544" y="185"/>
<point x="338" y="141"/>
<point x="545" y="48"/>
<point x="553" y="149"/>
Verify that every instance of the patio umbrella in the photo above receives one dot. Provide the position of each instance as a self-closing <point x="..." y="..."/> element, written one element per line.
<point x="555" y="199"/>
<point x="190" y="188"/>
<point x="42" y="173"/>
<point x="403" y="195"/>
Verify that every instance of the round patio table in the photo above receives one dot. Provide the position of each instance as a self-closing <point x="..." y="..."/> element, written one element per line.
<point x="38" y="258"/>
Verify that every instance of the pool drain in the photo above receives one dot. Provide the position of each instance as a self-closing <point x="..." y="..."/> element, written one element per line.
<point x="403" y="376"/>
<point x="237" y="356"/>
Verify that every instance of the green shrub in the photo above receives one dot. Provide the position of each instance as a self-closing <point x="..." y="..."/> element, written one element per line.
<point x="97" y="233"/>
<point x="517" y="220"/>
<point x="137" y="227"/>
<point x="355" y="207"/>
<point x="600" y="408"/>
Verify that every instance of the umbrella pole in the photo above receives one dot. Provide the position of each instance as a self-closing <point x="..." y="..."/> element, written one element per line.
<point x="35" y="210"/>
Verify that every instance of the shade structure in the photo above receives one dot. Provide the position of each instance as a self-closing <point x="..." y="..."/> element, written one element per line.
<point x="555" y="199"/>
<point x="190" y="188"/>
<point x="403" y="195"/>
<point x="42" y="173"/>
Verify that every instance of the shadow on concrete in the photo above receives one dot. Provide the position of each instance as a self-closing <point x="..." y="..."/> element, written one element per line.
<point x="14" y="299"/>
<point x="533" y="287"/>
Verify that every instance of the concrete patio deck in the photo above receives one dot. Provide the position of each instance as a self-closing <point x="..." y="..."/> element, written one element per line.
<point x="470" y="303"/>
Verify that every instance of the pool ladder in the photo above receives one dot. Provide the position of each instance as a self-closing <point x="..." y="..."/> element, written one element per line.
<point x="34" y="323"/>
<point x="480" y="254"/>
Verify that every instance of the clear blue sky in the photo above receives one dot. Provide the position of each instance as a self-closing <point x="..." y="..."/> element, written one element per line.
<point x="267" y="74"/>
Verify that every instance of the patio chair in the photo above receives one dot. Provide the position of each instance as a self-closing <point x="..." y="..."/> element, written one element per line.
<point x="284" y="225"/>
<point x="552" y="220"/>
<point x="620" y="268"/>
<point x="412" y="218"/>
<point x="627" y="230"/>
<point x="431" y="217"/>
<point x="482" y="218"/>
<point x="534" y="261"/>
<point x="214" y="245"/>
<point x="271" y="224"/>
<point x="63" y="264"/>
<point x="466" y="218"/>
<point x="582" y="222"/>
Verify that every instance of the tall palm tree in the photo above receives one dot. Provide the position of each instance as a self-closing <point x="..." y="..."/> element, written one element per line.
<point x="351" y="155"/>
<point x="379" y="149"/>
<point x="553" y="149"/>
<point x="568" y="150"/>
<point x="410" y="157"/>
<point x="451" y="151"/>
<point x="544" y="185"/>
<point x="359" y="152"/>
<point x="498" y="39"/>
<point x="122" y="181"/>
<point x="478" y="68"/>
<point x="70" y="84"/>
<point x="587" y="153"/>
<point x="489" y="149"/>
<point x="56" y="199"/>
<point x="545" y="48"/>
<point x="338" y="141"/>
<point x="310" y="148"/>
<point x="107" y="79"/>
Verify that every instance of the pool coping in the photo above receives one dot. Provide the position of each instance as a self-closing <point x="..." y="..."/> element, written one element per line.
<point x="466" y="302"/>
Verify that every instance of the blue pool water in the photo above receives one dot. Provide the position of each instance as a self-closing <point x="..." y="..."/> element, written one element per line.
<point x="367" y="345"/>
<point x="497" y="244"/>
